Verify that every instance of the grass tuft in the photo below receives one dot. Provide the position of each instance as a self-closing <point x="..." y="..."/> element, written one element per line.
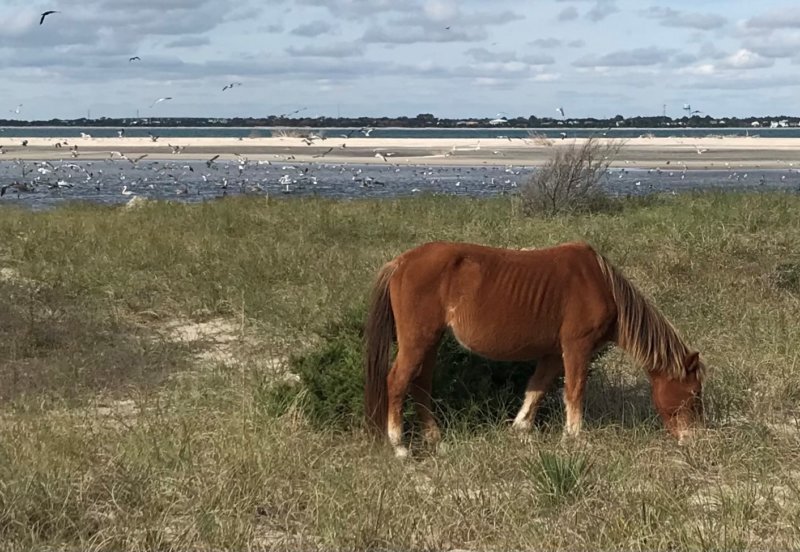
<point x="557" y="478"/>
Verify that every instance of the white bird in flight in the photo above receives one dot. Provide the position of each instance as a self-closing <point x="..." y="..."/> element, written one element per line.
<point x="160" y="100"/>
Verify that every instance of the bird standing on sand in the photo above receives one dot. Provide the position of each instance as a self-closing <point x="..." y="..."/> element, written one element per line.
<point x="45" y="14"/>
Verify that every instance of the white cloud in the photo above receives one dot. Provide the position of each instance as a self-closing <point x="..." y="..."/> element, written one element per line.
<point x="627" y="58"/>
<point x="312" y="28"/>
<point x="691" y="20"/>
<point x="745" y="59"/>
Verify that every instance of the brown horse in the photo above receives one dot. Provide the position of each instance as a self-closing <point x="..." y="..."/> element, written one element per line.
<point x="558" y="305"/>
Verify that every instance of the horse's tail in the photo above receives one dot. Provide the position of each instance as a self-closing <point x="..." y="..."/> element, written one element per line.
<point x="642" y="331"/>
<point x="379" y="335"/>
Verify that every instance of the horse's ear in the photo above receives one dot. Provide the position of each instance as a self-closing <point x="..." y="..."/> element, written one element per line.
<point x="692" y="362"/>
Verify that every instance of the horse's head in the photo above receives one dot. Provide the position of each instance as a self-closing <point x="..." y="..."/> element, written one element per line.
<point x="679" y="400"/>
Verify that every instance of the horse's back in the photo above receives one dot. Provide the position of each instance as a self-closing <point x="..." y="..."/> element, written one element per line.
<point x="502" y="303"/>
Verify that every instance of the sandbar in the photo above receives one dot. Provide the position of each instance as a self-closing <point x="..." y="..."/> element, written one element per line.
<point x="642" y="152"/>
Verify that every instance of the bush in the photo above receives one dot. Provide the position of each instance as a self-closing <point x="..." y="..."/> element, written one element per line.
<point x="571" y="180"/>
<point x="468" y="390"/>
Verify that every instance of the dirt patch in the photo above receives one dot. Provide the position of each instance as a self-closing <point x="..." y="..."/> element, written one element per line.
<point x="221" y="341"/>
<point x="218" y="340"/>
<point x="11" y="276"/>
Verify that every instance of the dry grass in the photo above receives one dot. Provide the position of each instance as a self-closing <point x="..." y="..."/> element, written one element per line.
<point x="134" y="448"/>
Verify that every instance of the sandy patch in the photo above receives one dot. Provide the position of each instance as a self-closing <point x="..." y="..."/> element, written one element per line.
<point x="11" y="276"/>
<point x="723" y="152"/>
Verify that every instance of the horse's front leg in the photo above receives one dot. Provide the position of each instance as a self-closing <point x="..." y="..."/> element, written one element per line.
<point x="576" y="368"/>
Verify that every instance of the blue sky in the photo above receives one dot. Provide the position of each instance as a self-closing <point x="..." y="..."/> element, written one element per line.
<point x="399" y="57"/>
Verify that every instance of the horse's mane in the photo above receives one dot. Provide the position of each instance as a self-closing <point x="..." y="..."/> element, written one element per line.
<point x="642" y="331"/>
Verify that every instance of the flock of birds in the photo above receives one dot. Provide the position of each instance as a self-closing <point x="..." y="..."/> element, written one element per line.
<point x="132" y="59"/>
<point x="119" y="177"/>
<point x="215" y="178"/>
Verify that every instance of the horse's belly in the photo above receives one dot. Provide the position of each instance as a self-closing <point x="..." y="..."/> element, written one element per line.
<point x="502" y="342"/>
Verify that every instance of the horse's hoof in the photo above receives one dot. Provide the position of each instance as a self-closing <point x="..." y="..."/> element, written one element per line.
<point x="400" y="452"/>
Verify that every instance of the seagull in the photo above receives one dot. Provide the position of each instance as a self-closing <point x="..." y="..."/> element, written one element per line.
<point x="134" y="58"/>
<point x="45" y="14"/>
<point x="231" y="85"/>
<point x="160" y="100"/>
<point x="211" y="161"/>
<point x="16" y="109"/>
<point x="293" y="112"/>
<point x="561" y="110"/>
<point x="700" y="150"/>
<point x="126" y="191"/>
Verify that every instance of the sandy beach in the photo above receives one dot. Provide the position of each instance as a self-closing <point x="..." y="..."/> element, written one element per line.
<point x="694" y="153"/>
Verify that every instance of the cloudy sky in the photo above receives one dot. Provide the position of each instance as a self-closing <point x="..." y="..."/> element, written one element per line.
<point x="399" y="57"/>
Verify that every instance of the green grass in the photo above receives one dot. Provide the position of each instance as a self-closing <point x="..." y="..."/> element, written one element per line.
<point x="113" y="436"/>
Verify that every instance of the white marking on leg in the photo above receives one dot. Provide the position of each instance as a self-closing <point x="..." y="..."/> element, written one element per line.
<point x="574" y="418"/>
<point x="395" y="432"/>
<point x="524" y="419"/>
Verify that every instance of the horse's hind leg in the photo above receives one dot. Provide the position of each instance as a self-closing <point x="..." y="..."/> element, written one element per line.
<point x="407" y="367"/>
<point x="547" y="370"/>
<point x="421" y="389"/>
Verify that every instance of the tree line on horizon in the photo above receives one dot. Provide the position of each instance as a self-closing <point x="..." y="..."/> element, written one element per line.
<point x="423" y="120"/>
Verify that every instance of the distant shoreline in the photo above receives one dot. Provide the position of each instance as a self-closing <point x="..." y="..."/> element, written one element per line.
<point x="550" y="128"/>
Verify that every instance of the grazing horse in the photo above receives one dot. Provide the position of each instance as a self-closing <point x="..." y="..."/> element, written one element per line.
<point x="558" y="305"/>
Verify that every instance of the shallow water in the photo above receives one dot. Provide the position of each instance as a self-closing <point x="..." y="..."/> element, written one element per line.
<point x="52" y="183"/>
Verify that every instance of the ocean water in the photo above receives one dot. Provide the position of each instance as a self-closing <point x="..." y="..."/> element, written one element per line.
<point x="476" y="133"/>
<point x="45" y="185"/>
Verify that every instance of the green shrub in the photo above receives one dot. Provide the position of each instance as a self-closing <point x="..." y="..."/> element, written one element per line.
<point x="468" y="390"/>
